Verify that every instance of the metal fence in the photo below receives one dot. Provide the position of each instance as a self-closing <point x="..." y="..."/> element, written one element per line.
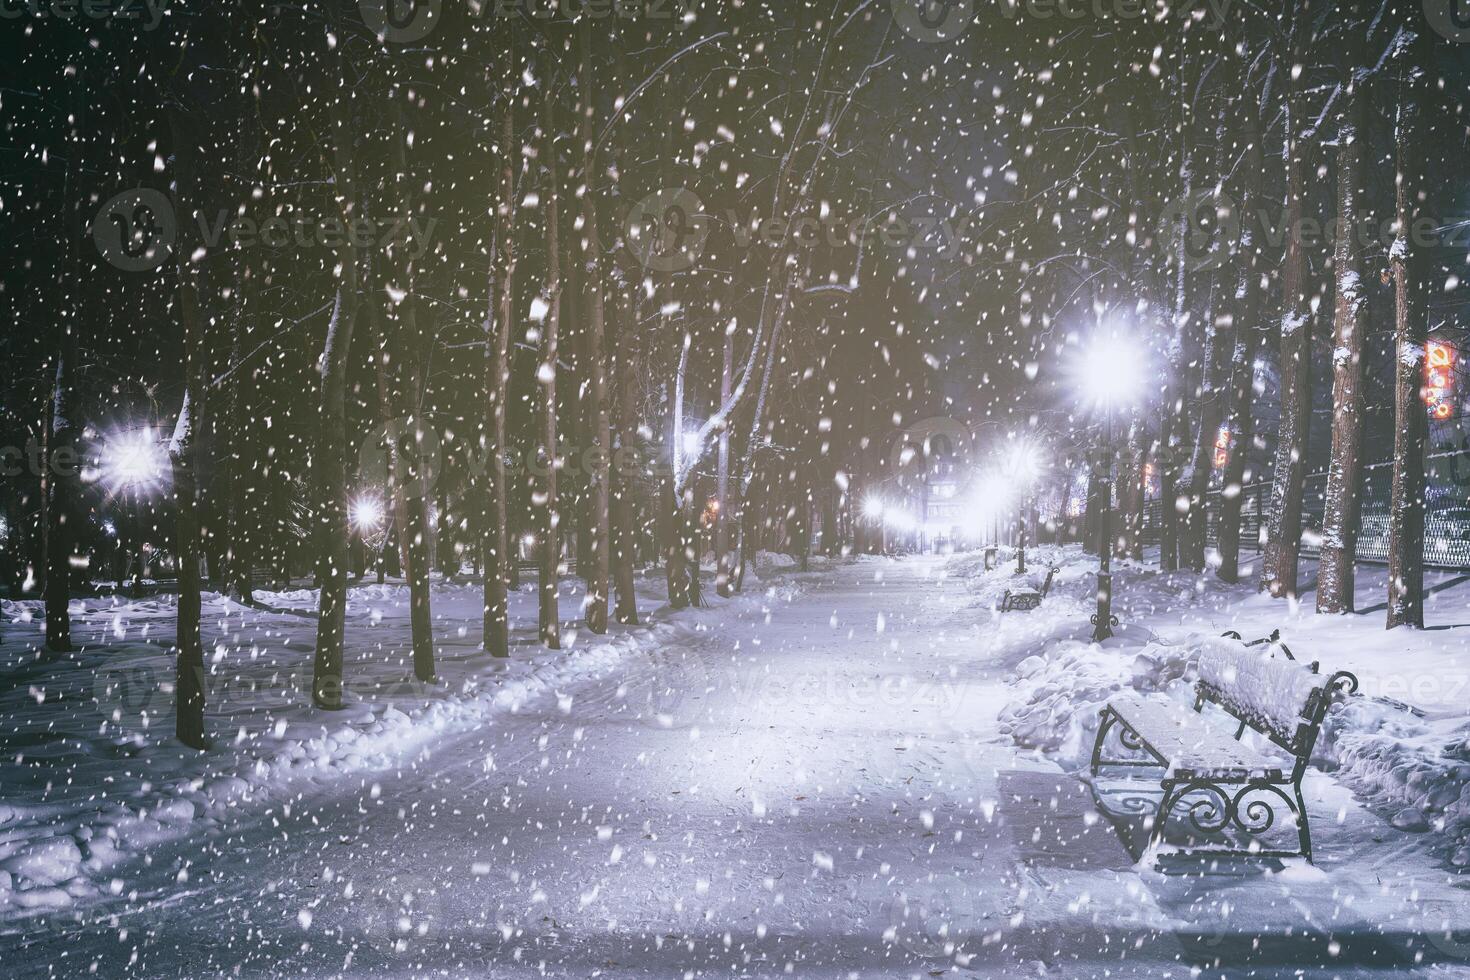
<point x="1446" y="521"/>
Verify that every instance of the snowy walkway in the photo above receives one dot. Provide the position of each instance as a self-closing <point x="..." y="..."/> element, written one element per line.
<point x="818" y="789"/>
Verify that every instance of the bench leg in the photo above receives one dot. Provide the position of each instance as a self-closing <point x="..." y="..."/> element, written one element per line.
<point x="1166" y="805"/>
<point x="1303" y="830"/>
<point x="1127" y="737"/>
<point x="1106" y="720"/>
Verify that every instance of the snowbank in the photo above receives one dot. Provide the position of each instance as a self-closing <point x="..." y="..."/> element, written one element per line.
<point x="1410" y="765"/>
<point x="96" y="783"/>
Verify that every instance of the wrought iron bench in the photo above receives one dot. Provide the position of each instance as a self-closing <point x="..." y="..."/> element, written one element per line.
<point x="1026" y="598"/>
<point x="1232" y="784"/>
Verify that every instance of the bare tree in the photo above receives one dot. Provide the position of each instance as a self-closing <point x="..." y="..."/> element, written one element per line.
<point x="1350" y="322"/>
<point x="328" y="463"/>
<point x="550" y="544"/>
<point x="1410" y="263"/>
<point x="1283" y="541"/>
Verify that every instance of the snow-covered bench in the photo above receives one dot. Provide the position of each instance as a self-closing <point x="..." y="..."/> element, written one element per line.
<point x="1026" y="598"/>
<point x="1232" y="783"/>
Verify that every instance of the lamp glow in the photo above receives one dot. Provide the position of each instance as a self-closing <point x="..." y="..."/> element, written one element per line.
<point x="132" y="461"/>
<point x="1110" y="372"/>
<point x="367" y="513"/>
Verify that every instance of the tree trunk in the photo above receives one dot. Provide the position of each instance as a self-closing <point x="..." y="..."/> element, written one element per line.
<point x="498" y="558"/>
<point x="1283" y="540"/>
<point x="410" y="385"/>
<point x="625" y="536"/>
<point x="600" y="536"/>
<point x="58" y="503"/>
<point x="550" y="550"/>
<point x="1411" y="334"/>
<point x="722" y="473"/>
<point x="1240" y="422"/>
<point x="328" y="461"/>
<point x="1335" y="577"/>
<point x="182" y="452"/>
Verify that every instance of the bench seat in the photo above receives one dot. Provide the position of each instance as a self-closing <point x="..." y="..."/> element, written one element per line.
<point x="1190" y="746"/>
<point x="1229" y="784"/>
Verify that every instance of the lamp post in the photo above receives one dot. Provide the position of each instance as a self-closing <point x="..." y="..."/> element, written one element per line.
<point x="1103" y="620"/>
<point x="1022" y="465"/>
<point x="131" y="464"/>
<point x="1112" y="373"/>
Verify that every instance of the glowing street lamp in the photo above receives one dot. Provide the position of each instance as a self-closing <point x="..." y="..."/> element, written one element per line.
<point x="1023" y="465"/>
<point x="873" y="508"/>
<point x="366" y="513"/>
<point x="131" y="462"/>
<point x="1111" y="372"/>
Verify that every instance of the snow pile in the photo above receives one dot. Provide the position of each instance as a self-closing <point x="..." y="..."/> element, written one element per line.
<point x="97" y="783"/>
<point x="1058" y="694"/>
<point x="1415" y="772"/>
<point x="1412" y="770"/>
<point x="1260" y="679"/>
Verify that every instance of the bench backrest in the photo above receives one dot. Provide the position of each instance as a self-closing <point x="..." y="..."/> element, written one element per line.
<point x="1046" y="583"/>
<point x="1285" y="700"/>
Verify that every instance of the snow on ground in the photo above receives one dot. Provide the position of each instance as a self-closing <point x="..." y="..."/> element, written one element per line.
<point x="1388" y="853"/>
<point x="830" y="777"/>
<point x="1402" y="743"/>
<point x="94" y="781"/>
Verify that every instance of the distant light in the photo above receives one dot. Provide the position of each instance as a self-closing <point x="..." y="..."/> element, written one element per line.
<point x="367" y="513"/>
<point x="873" y="507"/>
<point x="1111" y="371"/>
<point x="132" y="460"/>
<point x="692" y="443"/>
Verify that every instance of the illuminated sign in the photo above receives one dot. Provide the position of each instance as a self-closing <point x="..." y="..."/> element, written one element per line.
<point x="1222" y="447"/>
<point x="1439" y="368"/>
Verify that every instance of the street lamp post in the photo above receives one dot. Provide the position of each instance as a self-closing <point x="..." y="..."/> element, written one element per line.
<point x="1112" y="372"/>
<point x="1103" y="620"/>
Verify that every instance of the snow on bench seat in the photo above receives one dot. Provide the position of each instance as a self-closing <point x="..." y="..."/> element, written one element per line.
<point x="1190" y="744"/>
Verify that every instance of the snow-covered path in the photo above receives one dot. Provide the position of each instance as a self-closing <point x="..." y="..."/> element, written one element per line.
<point x="818" y="789"/>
